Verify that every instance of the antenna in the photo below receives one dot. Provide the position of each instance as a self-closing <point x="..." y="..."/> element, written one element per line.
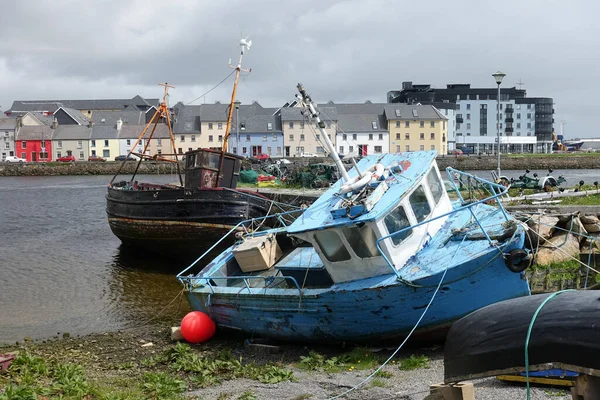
<point x="520" y="83"/>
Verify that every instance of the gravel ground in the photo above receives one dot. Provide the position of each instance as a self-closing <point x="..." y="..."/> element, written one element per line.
<point x="103" y="355"/>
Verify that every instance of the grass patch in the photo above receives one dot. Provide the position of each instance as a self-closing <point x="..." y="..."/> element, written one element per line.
<point x="247" y="395"/>
<point x="384" y="374"/>
<point x="303" y="396"/>
<point x="162" y="385"/>
<point x="377" y="383"/>
<point x="359" y="358"/>
<point x="414" y="362"/>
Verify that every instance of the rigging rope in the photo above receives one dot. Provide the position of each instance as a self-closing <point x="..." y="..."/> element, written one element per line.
<point x="217" y="85"/>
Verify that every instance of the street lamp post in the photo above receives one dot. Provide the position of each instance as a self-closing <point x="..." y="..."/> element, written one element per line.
<point x="498" y="77"/>
<point x="237" y="127"/>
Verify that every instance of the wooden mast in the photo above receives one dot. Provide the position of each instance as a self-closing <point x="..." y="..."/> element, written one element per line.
<point x="161" y="112"/>
<point x="245" y="44"/>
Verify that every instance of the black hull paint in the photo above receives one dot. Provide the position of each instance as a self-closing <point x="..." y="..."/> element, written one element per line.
<point x="178" y="221"/>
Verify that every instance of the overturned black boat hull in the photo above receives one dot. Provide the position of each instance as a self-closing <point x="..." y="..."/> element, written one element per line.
<point x="491" y="341"/>
<point x="179" y="221"/>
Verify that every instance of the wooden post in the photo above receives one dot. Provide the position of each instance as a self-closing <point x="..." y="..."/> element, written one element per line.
<point x="587" y="387"/>
<point x="456" y="391"/>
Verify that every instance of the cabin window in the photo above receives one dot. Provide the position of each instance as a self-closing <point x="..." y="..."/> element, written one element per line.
<point x="435" y="186"/>
<point x="362" y="240"/>
<point x="332" y="246"/>
<point x="419" y="204"/>
<point x="395" y="221"/>
<point x="213" y="161"/>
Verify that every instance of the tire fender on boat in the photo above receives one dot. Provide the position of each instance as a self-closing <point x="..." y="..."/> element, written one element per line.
<point x="517" y="260"/>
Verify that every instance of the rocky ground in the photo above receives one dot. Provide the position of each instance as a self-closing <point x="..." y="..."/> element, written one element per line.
<point x="146" y="363"/>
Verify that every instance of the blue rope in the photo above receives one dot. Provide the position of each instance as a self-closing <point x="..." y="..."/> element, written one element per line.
<point x="553" y="295"/>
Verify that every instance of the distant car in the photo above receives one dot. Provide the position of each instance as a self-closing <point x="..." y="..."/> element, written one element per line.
<point x="66" y="159"/>
<point x="96" y="158"/>
<point x="284" y="161"/>
<point x="456" y="152"/>
<point x="308" y="155"/>
<point x="124" y="158"/>
<point x="14" y="159"/>
<point x="263" y="157"/>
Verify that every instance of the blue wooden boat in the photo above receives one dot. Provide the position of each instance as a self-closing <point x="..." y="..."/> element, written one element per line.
<point x="365" y="260"/>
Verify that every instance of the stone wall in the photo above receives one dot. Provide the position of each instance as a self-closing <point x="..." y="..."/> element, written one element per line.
<point x="474" y="163"/>
<point x="83" y="168"/>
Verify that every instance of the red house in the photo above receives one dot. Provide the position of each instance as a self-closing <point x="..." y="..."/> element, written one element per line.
<point x="34" y="143"/>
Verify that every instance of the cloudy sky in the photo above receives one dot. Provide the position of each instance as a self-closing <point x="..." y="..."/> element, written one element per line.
<point x="345" y="51"/>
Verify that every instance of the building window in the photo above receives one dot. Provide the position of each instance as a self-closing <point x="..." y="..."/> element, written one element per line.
<point x="128" y="142"/>
<point x="528" y="115"/>
<point x="106" y="153"/>
<point x="342" y="149"/>
<point x="397" y="124"/>
<point x="407" y="147"/>
<point x="269" y="150"/>
<point x="264" y="138"/>
<point x="422" y="124"/>
<point x="242" y="126"/>
<point x="190" y="149"/>
<point x="244" y="150"/>
<point x="105" y="143"/>
<point x="432" y="124"/>
<point x="302" y="125"/>
<point x="381" y="136"/>
<point x="528" y="125"/>
<point x="528" y="133"/>
<point x="457" y="104"/>
<point x="81" y="155"/>
<point x="58" y="144"/>
<point x="398" y="136"/>
<point x="351" y="149"/>
<point x="354" y="136"/>
<point x="220" y="125"/>
<point x="421" y="136"/>
<point x="468" y="133"/>
<point x="328" y="124"/>
<point x="79" y="144"/>
<point x="210" y="138"/>
<point x="398" y="148"/>
<point x="182" y="138"/>
<point x="518" y="115"/>
<point x="529" y="106"/>
<point x="291" y="124"/>
<point x="432" y="136"/>
<point x="320" y="149"/>
<point x="193" y="138"/>
<point x="247" y="138"/>
<point x="302" y="137"/>
<point x="58" y="154"/>
<point x="407" y="136"/>
<point x="158" y="142"/>
<point x="468" y="125"/>
<point x="220" y="138"/>
<point x="23" y="144"/>
<point x="344" y="136"/>
<point x="93" y="143"/>
<point x="422" y="147"/>
<point x="269" y="126"/>
<point x="443" y="124"/>
<point x="374" y="124"/>
<point x="407" y="124"/>
<point x="180" y="150"/>
<point x="518" y="124"/>
<point x="278" y="151"/>
<point x="318" y="137"/>
<point x="291" y="138"/>
<point x="468" y="106"/>
<point x="210" y="125"/>
<point x="378" y="149"/>
<point x="468" y="116"/>
<point x="274" y="137"/>
<point x="370" y="136"/>
<point x="433" y="147"/>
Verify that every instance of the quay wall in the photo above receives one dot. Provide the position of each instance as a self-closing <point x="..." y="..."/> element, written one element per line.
<point x="465" y="163"/>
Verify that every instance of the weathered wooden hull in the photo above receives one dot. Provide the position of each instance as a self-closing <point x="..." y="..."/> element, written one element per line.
<point x="491" y="341"/>
<point x="178" y="220"/>
<point x="368" y="310"/>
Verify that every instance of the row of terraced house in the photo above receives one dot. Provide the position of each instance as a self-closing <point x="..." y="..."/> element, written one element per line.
<point x="43" y="130"/>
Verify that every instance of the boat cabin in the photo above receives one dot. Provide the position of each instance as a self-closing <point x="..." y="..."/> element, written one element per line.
<point x="346" y="242"/>
<point x="202" y="169"/>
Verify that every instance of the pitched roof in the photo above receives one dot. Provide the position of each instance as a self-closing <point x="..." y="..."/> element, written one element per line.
<point x="362" y="123"/>
<point x="101" y="104"/>
<point x="214" y="112"/>
<point x="188" y="119"/>
<point x="72" y="132"/>
<point x="412" y="112"/>
<point x="358" y="108"/>
<point x="42" y="118"/>
<point x="328" y="113"/>
<point x="8" y="123"/>
<point x="75" y="114"/>
<point x="104" y="132"/>
<point x="34" y="132"/>
<point x="129" y="131"/>
<point x="110" y="118"/>
<point x="259" y="124"/>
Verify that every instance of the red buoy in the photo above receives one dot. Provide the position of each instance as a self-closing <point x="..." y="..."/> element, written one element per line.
<point x="197" y="327"/>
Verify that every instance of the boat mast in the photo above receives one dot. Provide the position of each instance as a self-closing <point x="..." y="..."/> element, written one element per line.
<point x="245" y="44"/>
<point x="315" y="115"/>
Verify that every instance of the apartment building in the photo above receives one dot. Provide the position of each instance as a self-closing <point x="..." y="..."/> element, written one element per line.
<point x="416" y="128"/>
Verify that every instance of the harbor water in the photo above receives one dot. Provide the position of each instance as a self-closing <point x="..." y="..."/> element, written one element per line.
<point x="62" y="269"/>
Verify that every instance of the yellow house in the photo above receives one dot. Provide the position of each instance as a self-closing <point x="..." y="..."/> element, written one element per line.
<point x="416" y="128"/>
<point x="213" y="121"/>
<point x="302" y="137"/>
